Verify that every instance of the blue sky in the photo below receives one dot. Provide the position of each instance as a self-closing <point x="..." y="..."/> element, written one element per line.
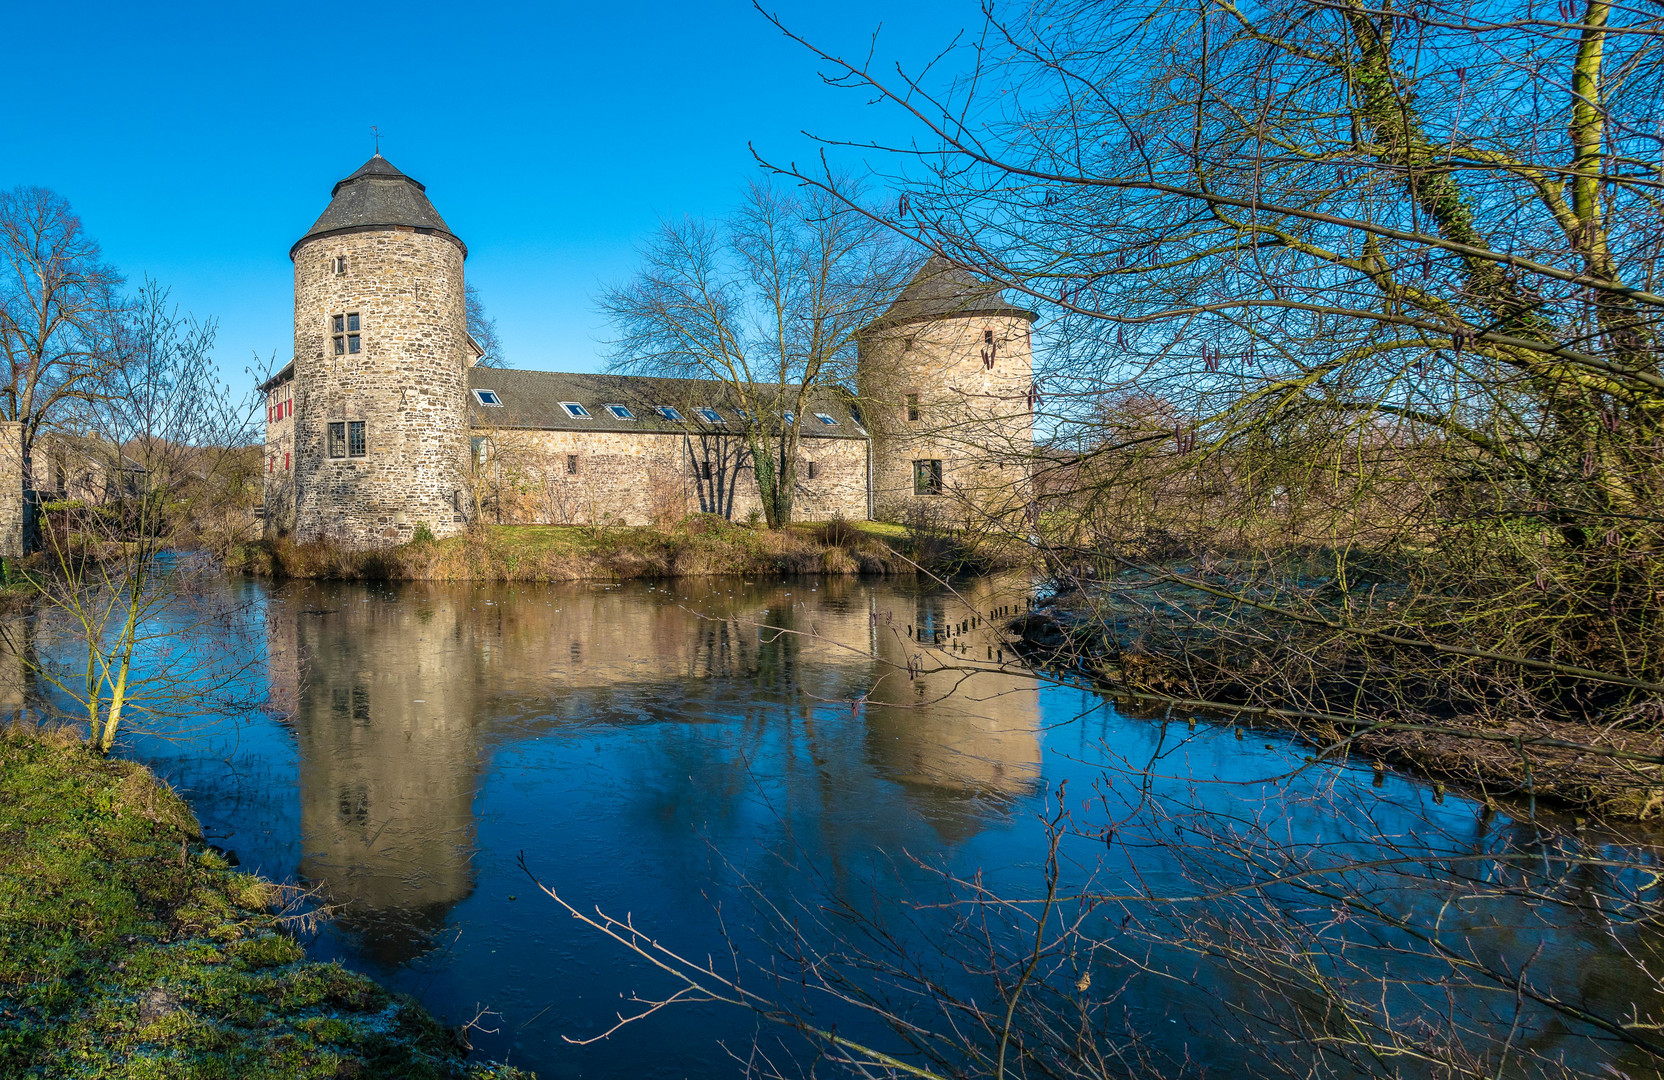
<point x="199" y="141"/>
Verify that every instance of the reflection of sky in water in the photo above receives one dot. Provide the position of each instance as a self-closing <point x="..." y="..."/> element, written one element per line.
<point x="646" y="746"/>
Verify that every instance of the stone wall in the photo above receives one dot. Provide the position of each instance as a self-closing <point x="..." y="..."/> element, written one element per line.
<point x="279" y="466"/>
<point x="975" y="415"/>
<point x="651" y="478"/>
<point x="11" y="489"/>
<point x="407" y="385"/>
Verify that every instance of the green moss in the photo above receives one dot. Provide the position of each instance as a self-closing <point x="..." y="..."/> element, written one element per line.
<point x="127" y="949"/>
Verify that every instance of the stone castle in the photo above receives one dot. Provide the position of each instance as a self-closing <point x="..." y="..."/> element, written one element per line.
<point x="390" y="418"/>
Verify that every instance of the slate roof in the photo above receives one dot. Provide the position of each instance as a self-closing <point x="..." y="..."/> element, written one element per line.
<point x="942" y="289"/>
<point x="531" y="400"/>
<point x="378" y="196"/>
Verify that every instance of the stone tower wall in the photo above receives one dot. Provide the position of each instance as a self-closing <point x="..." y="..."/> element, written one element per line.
<point x="974" y="418"/>
<point x="408" y="385"/>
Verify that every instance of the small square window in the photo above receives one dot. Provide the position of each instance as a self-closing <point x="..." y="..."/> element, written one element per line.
<point x="669" y="412"/>
<point x="710" y="416"/>
<point x="338" y="324"/>
<point x="340" y="265"/>
<point x="488" y="397"/>
<point x="621" y="412"/>
<point x="571" y="464"/>
<point x="827" y="420"/>
<point x="352" y="322"/>
<point x="352" y="343"/>
<point x="338" y="440"/>
<point x="356" y="443"/>
<point x="791" y="418"/>
<point x="987" y="337"/>
<point x="927" y="477"/>
<point x="912" y="406"/>
<point x="573" y="409"/>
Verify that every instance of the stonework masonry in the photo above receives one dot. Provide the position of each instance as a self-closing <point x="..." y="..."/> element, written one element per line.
<point x="381" y="424"/>
<point x="11" y="489"/>
<point x="956" y="390"/>
<point x="406" y="385"/>
<point x="653" y="478"/>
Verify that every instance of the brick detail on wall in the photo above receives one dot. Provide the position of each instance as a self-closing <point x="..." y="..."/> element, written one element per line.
<point x="975" y="415"/>
<point x="408" y="386"/>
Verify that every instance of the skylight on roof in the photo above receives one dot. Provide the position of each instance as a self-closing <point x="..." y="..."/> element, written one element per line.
<point x="576" y="411"/>
<point x="827" y="420"/>
<point x="791" y="418"/>
<point x="621" y="412"/>
<point x="669" y="412"/>
<point x="710" y="416"/>
<point x="488" y="397"/>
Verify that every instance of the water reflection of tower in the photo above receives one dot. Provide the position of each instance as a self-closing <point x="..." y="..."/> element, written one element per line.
<point x="956" y="741"/>
<point x="384" y="718"/>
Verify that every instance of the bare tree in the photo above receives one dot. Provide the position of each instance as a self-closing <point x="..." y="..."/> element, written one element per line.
<point x="120" y="587"/>
<point x="57" y="302"/>
<point x="483" y="329"/>
<point x="766" y="302"/>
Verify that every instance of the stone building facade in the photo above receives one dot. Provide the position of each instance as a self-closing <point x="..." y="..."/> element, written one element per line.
<point x="386" y="421"/>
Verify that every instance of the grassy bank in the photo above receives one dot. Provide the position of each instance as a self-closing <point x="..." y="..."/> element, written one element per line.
<point x="699" y="546"/>
<point x="128" y="949"/>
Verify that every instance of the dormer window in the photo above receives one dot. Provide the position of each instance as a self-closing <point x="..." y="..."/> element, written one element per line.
<point x="488" y="397"/>
<point x="669" y="412"/>
<point x="710" y="416"/>
<point x="344" y="332"/>
<point x="827" y="420"/>
<point x="576" y="411"/>
<point x="620" y="412"/>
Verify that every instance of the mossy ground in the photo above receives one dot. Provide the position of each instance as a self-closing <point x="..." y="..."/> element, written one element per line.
<point x="128" y="949"/>
<point x="699" y="546"/>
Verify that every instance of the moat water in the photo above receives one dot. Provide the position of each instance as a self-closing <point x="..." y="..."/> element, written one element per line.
<point x="693" y="754"/>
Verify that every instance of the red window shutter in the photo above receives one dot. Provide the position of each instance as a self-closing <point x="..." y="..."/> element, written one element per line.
<point x="285" y="462"/>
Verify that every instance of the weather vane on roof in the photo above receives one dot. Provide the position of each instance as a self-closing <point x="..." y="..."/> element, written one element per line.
<point x="376" y="132"/>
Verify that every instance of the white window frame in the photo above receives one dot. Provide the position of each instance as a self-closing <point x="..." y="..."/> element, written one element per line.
<point x="827" y="420"/>
<point x="669" y="412"/>
<point x="620" y="412"/>
<point x="581" y="413"/>
<point x="710" y="415"/>
<point x="496" y="401"/>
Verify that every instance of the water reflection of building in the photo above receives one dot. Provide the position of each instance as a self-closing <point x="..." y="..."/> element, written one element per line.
<point x="395" y="697"/>
<point x="962" y="733"/>
<point x="384" y="717"/>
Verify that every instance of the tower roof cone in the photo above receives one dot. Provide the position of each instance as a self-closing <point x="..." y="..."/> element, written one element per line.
<point x="378" y="196"/>
<point x="942" y="290"/>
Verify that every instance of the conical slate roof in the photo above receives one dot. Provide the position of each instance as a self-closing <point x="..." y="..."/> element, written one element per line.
<point x="378" y="196"/>
<point x="942" y="290"/>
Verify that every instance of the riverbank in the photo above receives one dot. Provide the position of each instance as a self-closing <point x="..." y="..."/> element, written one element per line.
<point x="1600" y="770"/>
<point x="128" y="948"/>
<point x="700" y="546"/>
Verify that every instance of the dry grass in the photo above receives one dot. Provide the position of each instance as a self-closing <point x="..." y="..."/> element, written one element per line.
<point x="701" y="545"/>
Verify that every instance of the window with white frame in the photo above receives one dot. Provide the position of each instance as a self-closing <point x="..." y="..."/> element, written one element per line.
<point x="576" y="411"/>
<point x="827" y="420"/>
<point x="710" y="416"/>
<point x="488" y="397"/>
<point x="669" y="412"/>
<point x="620" y="412"/>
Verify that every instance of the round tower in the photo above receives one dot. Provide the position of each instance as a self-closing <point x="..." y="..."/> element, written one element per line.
<point x="380" y="401"/>
<point x="946" y="384"/>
